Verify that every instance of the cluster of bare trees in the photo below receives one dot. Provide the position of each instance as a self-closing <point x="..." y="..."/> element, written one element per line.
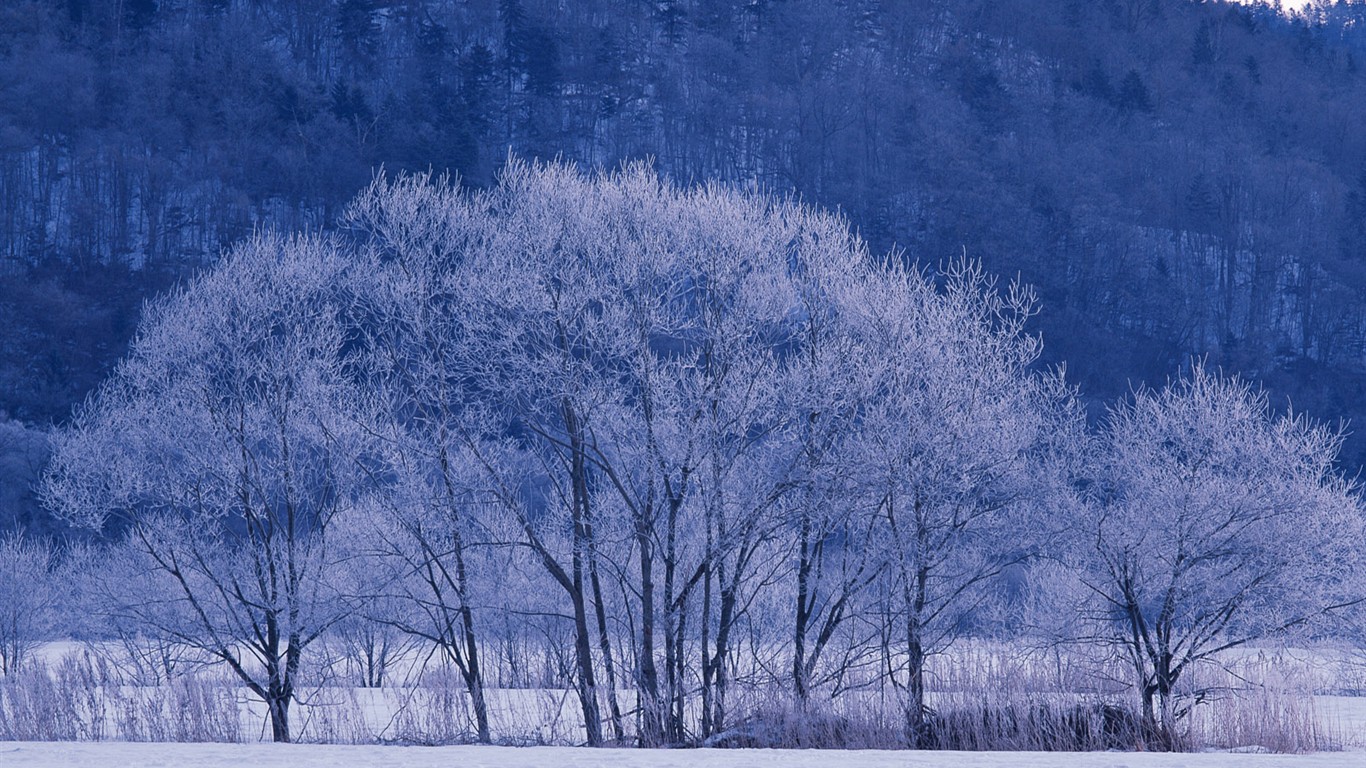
<point x="702" y="435"/>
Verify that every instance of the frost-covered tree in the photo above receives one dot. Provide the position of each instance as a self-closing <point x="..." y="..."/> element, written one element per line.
<point x="955" y="446"/>
<point x="1209" y="524"/>
<point x="615" y="353"/>
<point x="831" y="533"/>
<point x="223" y="448"/>
<point x="31" y="598"/>
<point x="435" y="441"/>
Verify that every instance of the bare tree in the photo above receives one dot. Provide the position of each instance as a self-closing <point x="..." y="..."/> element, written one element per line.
<point x="226" y="446"/>
<point x="434" y="471"/>
<point x="954" y="445"/>
<point x="1210" y="524"/>
<point x="31" y="601"/>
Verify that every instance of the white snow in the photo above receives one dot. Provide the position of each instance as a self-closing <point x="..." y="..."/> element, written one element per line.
<point x="98" y="755"/>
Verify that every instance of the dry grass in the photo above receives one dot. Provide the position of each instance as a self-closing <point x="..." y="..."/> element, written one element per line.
<point x="83" y="698"/>
<point x="987" y="696"/>
<point x="984" y="697"/>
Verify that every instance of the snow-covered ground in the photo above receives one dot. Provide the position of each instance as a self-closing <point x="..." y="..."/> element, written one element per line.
<point x="100" y="755"/>
<point x="436" y="712"/>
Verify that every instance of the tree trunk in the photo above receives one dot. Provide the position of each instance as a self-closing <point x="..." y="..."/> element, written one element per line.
<point x="279" y="719"/>
<point x="587" y="688"/>
<point x="278" y="692"/>
<point x="583" y="655"/>
<point x="481" y="708"/>
<point x="675" y="604"/>
<point x="708" y="727"/>
<point x="474" y="676"/>
<point x="647" y="683"/>
<point x="800" y="682"/>
<point x="917" y="722"/>
<point x="473" y="672"/>
<point x="919" y="726"/>
<point x="604" y="640"/>
<point x="725" y="621"/>
<point x="677" y="731"/>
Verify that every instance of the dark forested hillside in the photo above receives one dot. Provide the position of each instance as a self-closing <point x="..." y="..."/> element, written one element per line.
<point x="1175" y="177"/>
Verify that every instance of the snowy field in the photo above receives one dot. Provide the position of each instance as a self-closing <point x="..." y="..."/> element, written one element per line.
<point x="408" y="713"/>
<point x="99" y="755"/>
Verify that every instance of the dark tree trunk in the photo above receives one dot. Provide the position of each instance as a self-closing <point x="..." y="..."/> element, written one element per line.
<point x="583" y="651"/>
<point x="473" y="672"/>
<point x="800" y="680"/>
<point x="725" y="621"/>
<point x="604" y="640"/>
<point x="279" y="719"/>
<point x="651" y="717"/>
<point x="917" y="720"/>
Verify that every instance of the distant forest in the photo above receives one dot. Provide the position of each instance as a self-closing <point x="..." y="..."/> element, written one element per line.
<point x="1176" y="178"/>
